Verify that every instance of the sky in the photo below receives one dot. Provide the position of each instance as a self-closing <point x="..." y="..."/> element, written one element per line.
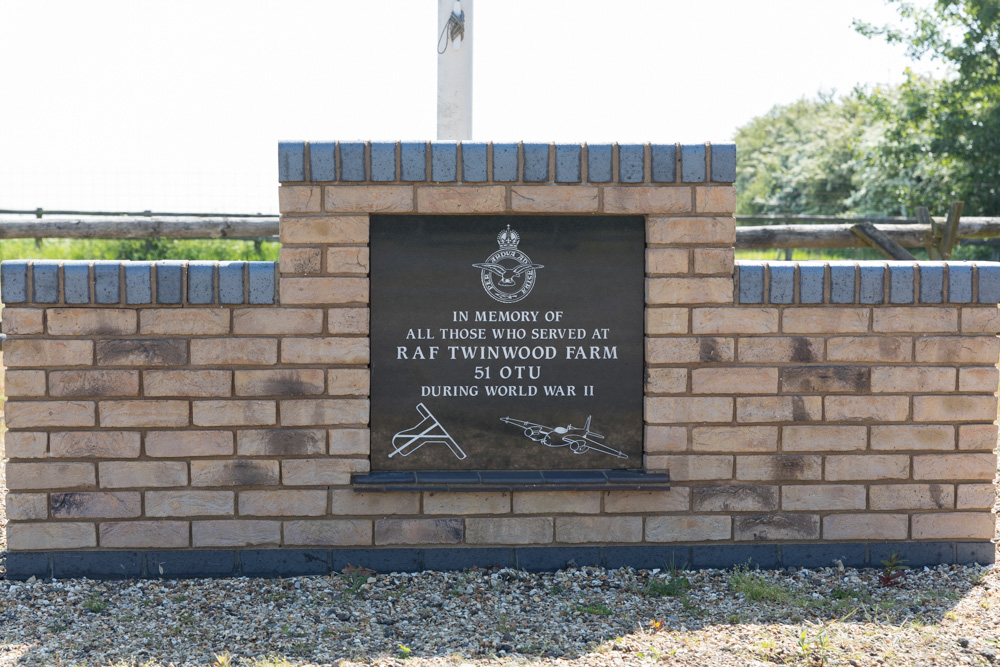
<point x="178" y="106"/>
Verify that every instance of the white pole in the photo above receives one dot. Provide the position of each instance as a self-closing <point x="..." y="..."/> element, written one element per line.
<point x="454" y="75"/>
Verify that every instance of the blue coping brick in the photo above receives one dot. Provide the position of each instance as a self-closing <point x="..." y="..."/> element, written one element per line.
<point x="444" y="162"/>
<point x="751" y="282"/>
<point x="14" y="281"/>
<point x="901" y="281"/>
<point x="380" y="560"/>
<point x="693" y="163"/>
<point x="842" y="282"/>
<point x="462" y="558"/>
<point x="917" y="554"/>
<point x="352" y="161"/>
<point x="201" y="282"/>
<point x="663" y="163"/>
<point x="811" y="278"/>
<point x="45" y="281"/>
<point x="724" y="556"/>
<point x="568" y="163"/>
<point x="291" y="161"/>
<point x="283" y="562"/>
<point x="138" y="282"/>
<point x="872" y="283"/>
<point x="536" y="163"/>
<point x="931" y="282"/>
<point x="76" y="282"/>
<point x="549" y="559"/>
<point x="169" y="279"/>
<point x="261" y="282"/>
<point x="107" y="281"/>
<point x="989" y="283"/>
<point x="782" y="283"/>
<point x="97" y="564"/>
<point x="966" y="553"/>
<point x="631" y="163"/>
<point x="413" y="161"/>
<point x="383" y="155"/>
<point x="474" y="162"/>
<point x="960" y="282"/>
<point x="724" y="163"/>
<point x="599" y="163"/>
<point x="505" y="162"/>
<point x="823" y="555"/>
<point x="184" y="563"/>
<point x="323" y="161"/>
<point x="23" y="565"/>
<point x="231" y="282"/>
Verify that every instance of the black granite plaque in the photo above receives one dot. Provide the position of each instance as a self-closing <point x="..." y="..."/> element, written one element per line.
<point x="506" y="342"/>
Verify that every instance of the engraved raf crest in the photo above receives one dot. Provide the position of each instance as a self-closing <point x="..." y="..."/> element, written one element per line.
<point x="508" y="274"/>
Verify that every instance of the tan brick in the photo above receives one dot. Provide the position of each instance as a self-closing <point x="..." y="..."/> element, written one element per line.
<point x="709" y="261"/>
<point x="48" y="353"/>
<point x="49" y="475"/>
<point x="97" y="505"/>
<point x="321" y="472"/>
<point x="554" y="198"/>
<point x="324" y="412"/>
<point x="911" y="496"/>
<point x="776" y="527"/>
<point x="27" y="506"/>
<point x="688" y="350"/>
<point x="827" y="319"/>
<point x="126" y="352"/>
<point x="461" y="199"/>
<point x="554" y="502"/>
<point x="715" y="198"/>
<point x="731" y="380"/>
<point x="234" y="472"/>
<point x="662" y="439"/>
<point x="329" y="532"/>
<point x="970" y="436"/>
<point x="42" y="414"/>
<point x="94" y="383"/>
<point x="841" y="467"/>
<point x="91" y="321"/>
<point x="913" y="437"/>
<point x="823" y="438"/>
<point x="825" y="380"/>
<point x="821" y="497"/>
<point x="954" y="408"/>
<point x="225" y="352"/>
<point x="50" y="535"/>
<point x="869" y="348"/>
<point x="143" y="534"/>
<point x="144" y="413"/>
<point x="520" y="530"/>
<point x="420" y="531"/>
<point x="666" y="261"/>
<point x="281" y="442"/>
<point x="666" y="320"/>
<point x="324" y="350"/>
<point x="347" y="260"/>
<point x="300" y="260"/>
<point x="235" y="533"/>
<point x="734" y="439"/>
<point x="323" y="290"/>
<point x="184" y="444"/>
<point x="981" y="320"/>
<point x="187" y="383"/>
<point x="346" y="502"/>
<point x="779" y="408"/>
<point x="466" y="503"/>
<point x="671" y="291"/>
<point x="598" y="529"/>
<point x="955" y="466"/>
<point x="867" y="408"/>
<point x="94" y="444"/>
<point x="282" y="502"/>
<point x="770" y="349"/>
<point x="666" y="380"/>
<point x="970" y="497"/>
<point x="954" y="526"/>
<point x="184" y="321"/>
<point x="347" y="320"/>
<point x="369" y="198"/>
<point x="255" y="321"/>
<point x="300" y="198"/>
<point x="341" y="229"/>
<point x="189" y="502"/>
<point x="282" y="382"/>
<point x="734" y="320"/>
<point x="912" y="379"/>
<point x="647" y="199"/>
<point x="698" y="467"/>
<point x="697" y="231"/>
<point x="688" y="528"/>
<point x="26" y="445"/>
<point x="735" y="498"/>
<point x="864" y="527"/>
<point x="140" y="474"/>
<point x="20" y="321"/>
<point x="920" y="319"/>
<point x="984" y="379"/>
<point x="777" y="468"/>
<point x="24" y="383"/>
<point x="670" y="410"/>
<point x="959" y="349"/>
<point x="625" y="502"/>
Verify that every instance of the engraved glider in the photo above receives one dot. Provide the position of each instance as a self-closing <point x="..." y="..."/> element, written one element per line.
<point x="578" y="439"/>
<point x="428" y="431"/>
<point x="507" y="275"/>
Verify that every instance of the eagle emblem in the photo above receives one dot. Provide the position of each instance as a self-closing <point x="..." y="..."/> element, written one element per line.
<point x="508" y="274"/>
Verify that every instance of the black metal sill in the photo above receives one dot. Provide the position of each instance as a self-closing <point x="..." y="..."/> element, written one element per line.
<point x="513" y="480"/>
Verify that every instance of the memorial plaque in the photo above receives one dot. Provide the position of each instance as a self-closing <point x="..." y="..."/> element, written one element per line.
<point x="506" y="342"/>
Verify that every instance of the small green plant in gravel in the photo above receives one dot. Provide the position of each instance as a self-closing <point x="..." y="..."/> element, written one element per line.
<point x="355" y="580"/>
<point x="403" y="652"/>
<point x="595" y="609"/>
<point x="95" y="604"/>
<point x="675" y="584"/>
<point x="222" y="659"/>
<point x="815" y="647"/>
<point x="753" y="586"/>
<point x="892" y="571"/>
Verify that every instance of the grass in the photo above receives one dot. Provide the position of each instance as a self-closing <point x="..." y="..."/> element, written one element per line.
<point x="139" y="250"/>
<point x="754" y="586"/>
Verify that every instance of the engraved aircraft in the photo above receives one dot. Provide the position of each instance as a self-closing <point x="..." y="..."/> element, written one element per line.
<point x="507" y="274"/>
<point x="578" y="439"/>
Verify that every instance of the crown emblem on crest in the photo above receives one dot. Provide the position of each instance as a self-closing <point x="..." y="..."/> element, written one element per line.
<point x="508" y="239"/>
